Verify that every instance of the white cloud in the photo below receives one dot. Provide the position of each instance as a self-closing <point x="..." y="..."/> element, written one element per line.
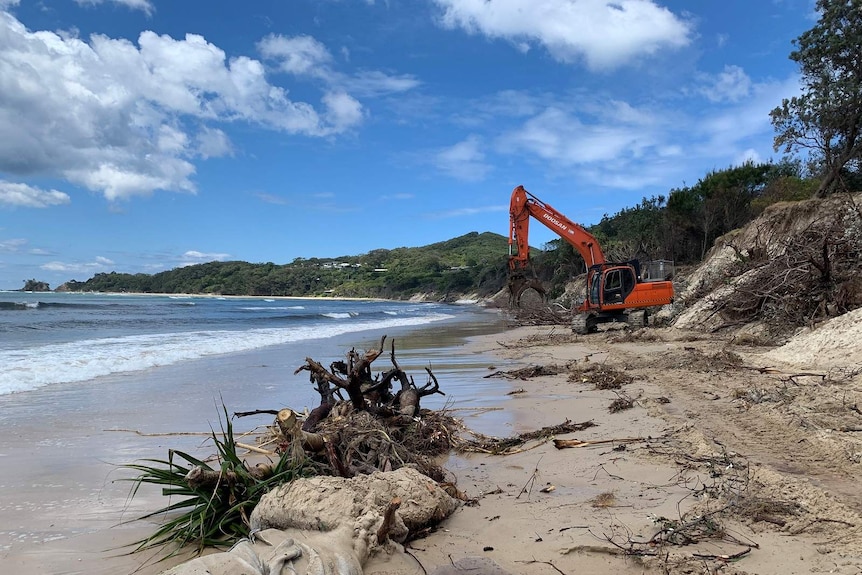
<point x="125" y="119"/>
<point x="561" y="136"/>
<point x="306" y="56"/>
<point x="77" y="267"/>
<point x="12" y="245"/>
<point x="730" y="85"/>
<point x="399" y="196"/>
<point x="615" y="144"/>
<point x="462" y="212"/>
<point x="342" y="110"/>
<point x="376" y="83"/>
<point x="213" y="143"/>
<point x="464" y="161"/>
<point x="22" y="195"/>
<point x="272" y="199"/>
<point x="144" y="5"/>
<point x="749" y="155"/>
<point x="192" y="257"/>
<point x="296" y="55"/>
<point x="606" y="34"/>
<point x="725" y="128"/>
<point x="104" y="261"/>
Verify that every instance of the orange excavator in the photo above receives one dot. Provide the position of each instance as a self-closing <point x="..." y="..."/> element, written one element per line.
<point x="615" y="291"/>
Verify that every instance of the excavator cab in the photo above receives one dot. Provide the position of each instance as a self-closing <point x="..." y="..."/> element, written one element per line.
<point x="610" y="285"/>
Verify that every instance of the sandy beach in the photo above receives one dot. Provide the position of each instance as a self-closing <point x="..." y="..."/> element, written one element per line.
<point x="717" y="482"/>
<point x="693" y="476"/>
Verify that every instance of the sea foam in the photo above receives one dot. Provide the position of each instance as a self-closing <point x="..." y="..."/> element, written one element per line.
<point x="32" y="368"/>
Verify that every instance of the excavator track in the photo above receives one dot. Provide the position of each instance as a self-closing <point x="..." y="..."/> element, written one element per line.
<point x="583" y="323"/>
<point x="579" y="324"/>
<point x="637" y="319"/>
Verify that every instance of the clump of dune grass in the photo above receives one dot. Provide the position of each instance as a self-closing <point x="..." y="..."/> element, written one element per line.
<point x="209" y="504"/>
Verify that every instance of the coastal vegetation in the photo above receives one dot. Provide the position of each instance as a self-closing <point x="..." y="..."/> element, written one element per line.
<point x="472" y="263"/>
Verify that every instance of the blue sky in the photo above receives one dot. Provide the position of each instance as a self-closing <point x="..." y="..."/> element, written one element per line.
<point x="144" y="135"/>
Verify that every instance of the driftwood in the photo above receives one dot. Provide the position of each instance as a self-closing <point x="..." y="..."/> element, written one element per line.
<point x="509" y="445"/>
<point x="388" y="520"/>
<point x="564" y="443"/>
<point x="290" y="428"/>
<point x="365" y="392"/>
<point x="375" y="428"/>
<point x="210" y="478"/>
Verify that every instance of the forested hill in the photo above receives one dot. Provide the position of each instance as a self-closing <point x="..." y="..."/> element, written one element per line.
<point x="473" y="263"/>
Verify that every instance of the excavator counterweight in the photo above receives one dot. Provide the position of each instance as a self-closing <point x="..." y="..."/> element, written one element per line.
<point x="615" y="291"/>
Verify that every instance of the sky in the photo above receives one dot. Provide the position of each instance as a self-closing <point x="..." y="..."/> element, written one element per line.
<point x="139" y="136"/>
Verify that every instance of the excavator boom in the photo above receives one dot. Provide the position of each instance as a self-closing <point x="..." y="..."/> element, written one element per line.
<point x="524" y="205"/>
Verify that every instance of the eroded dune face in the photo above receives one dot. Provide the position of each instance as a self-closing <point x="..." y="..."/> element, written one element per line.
<point x="327" y="525"/>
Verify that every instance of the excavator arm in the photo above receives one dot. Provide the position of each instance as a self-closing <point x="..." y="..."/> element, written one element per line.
<point x="525" y="205"/>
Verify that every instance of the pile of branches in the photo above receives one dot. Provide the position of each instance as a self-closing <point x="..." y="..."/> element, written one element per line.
<point x="601" y="375"/>
<point x="812" y="275"/>
<point x="365" y="392"/>
<point x="375" y="427"/>
<point x="541" y="315"/>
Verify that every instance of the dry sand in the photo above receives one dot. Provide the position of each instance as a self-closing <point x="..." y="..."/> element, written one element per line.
<point x="760" y="463"/>
<point x="761" y="455"/>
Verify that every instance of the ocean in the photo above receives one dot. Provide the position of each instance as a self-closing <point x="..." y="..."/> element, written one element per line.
<point x="57" y="338"/>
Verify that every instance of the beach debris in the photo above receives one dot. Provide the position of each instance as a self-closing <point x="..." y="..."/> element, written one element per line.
<point x="378" y="441"/>
<point x="375" y="429"/>
<point x="511" y="445"/>
<point x="621" y="403"/>
<point x="332" y="503"/>
<point x="532" y="371"/>
<point x="604" y="500"/>
<point x="565" y="443"/>
<point x="210" y="503"/>
<point x="602" y="376"/>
